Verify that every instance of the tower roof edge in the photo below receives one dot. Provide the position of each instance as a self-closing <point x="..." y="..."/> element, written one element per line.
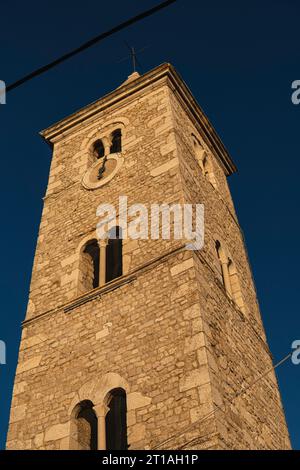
<point x="133" y="84"/>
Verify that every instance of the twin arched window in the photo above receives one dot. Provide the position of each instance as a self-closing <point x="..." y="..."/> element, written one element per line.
<point x="107" y="145"/>
<point x="230" y="277"/>
<point x="104" y="430"/>
<point x="101" y="261"/>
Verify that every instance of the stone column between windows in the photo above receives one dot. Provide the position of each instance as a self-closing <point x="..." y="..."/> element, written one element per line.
<point x="101" y="412"/>
<point x="106" y="144"/>
<point x="102" y="262"/>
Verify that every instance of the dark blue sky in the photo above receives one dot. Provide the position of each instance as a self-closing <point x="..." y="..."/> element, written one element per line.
<point x="239" y="61"/>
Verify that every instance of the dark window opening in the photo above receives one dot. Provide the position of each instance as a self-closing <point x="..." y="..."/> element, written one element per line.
<point x="115" y="421"/>
<point x="116" y="142"/>
<point x="92" y="249"/>
<point x="114" y="255"/>
<point x="87" y="427"/>
<point x="98" y="149"/>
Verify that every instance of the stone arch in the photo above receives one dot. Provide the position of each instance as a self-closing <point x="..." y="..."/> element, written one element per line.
<point x="98" y="393"/>
<point x="105" y="384"/>
<point x="104" y="131"/>
<point x="97" y="390"/>
<point x="84" y="240"/>
<point x="105" y="135"/>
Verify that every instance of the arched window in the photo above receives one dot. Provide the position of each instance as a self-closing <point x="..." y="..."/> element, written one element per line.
<point x="101" y="261"/>
<point x="114" y="255"/>
<point x="98" y="149"/>
<point x="89" y="266"/>
<point x="85" y="427"/>
<point x="101" y="425"/>
<point x="115" y="421"/>
<point x="230" y="277"/>
<point x="116" y="141"/>
<point x="204" y="161"/>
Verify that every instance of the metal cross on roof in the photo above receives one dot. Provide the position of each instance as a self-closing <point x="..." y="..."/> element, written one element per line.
<point x="133" y="56"/>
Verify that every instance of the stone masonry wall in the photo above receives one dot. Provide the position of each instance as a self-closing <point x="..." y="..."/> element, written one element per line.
<point x="148" y="331"/>
<point x="236" y="343"/>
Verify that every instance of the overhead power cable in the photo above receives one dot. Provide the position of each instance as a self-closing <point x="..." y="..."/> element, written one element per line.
<point x="88" y="44"/>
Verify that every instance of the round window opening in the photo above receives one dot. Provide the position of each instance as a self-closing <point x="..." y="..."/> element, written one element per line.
<point x="102" y="171"/>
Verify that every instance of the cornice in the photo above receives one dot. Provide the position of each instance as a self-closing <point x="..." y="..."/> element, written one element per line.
<point x="163" y="72"/>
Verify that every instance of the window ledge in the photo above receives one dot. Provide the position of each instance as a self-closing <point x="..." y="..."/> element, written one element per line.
<point x="99" y="291"/>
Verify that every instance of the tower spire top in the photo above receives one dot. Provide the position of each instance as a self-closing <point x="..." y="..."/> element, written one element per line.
<point x="133" y="56"/>
<point x="135" y="62"/>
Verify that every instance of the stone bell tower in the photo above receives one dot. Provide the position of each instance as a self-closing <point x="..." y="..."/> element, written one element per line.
<point x="141" y="343"/>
